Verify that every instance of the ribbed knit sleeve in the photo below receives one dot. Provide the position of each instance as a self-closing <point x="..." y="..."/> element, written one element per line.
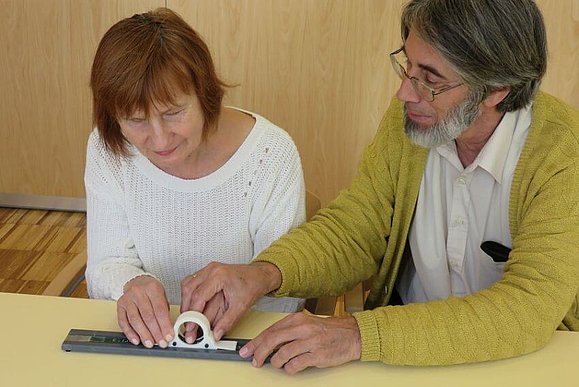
<point x="281" y="207"/>
<point x="112" y="257"/>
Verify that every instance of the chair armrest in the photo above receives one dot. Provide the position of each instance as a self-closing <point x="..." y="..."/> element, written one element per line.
<point x="68" y="278"/>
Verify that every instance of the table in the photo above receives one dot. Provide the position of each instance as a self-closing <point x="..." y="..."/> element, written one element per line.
<point x="33" y="328"/>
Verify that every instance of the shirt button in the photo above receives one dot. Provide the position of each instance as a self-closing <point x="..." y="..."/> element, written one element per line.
<point x="461" y="180"/>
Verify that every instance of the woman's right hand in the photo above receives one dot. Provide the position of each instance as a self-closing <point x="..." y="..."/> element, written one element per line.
<point x="143" y="312"/>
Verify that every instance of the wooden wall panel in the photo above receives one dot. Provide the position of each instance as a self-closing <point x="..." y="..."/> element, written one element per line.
<point x="46" y="49"/>
<point x="562" y="23"/>
<point x="318" y="68"/>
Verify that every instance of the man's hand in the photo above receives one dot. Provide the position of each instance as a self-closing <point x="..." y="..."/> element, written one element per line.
<point x="240" y="287"/>
<point x="143" y="312"/>
<point x="306" y="341"/>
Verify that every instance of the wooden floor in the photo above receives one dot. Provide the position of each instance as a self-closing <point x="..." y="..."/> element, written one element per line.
<point x="35" y="245"/>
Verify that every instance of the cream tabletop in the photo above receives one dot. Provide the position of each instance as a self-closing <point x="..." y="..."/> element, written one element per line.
<point x="35" y="326"/>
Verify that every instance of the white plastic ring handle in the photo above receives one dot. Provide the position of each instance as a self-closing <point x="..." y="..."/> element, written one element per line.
<point x="208" y="340"/>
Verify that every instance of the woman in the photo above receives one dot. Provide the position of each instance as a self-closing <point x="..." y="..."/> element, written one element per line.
<point x="173" y="179"/>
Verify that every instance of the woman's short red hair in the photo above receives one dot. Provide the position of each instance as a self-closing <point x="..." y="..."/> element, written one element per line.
<point x="146" y="60"/>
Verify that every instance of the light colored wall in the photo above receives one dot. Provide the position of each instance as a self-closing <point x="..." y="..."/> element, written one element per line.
<point x="317" y="68"/>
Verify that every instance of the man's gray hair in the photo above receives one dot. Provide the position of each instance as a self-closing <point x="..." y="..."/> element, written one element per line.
<point x="492" y="44"/>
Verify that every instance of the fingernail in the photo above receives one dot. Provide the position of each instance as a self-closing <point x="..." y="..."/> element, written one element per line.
<point x="169" y="338"/>
<point x="135" y="341"/>
<point x="162" y="344"/>
<point x="254" y="363"/>
<point x="243" y="352"/>
<point x="189" y="339"/>
<point x="218" y="334"/>
<point x="148" y="344"/>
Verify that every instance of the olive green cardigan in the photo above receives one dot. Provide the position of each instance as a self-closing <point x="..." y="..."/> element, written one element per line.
<point x="364" y="232"/>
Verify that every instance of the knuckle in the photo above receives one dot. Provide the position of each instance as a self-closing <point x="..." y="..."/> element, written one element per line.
<point x="276" y="361"/>
<point x="186" y="281"/>
<point x="283" y="353"/>
<point x="299" y="318"/>
<point x="213" y="265"/>
<point x="295" y="365"/>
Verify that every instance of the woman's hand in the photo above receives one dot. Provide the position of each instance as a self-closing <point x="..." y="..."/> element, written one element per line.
<point x="143" y="312"/>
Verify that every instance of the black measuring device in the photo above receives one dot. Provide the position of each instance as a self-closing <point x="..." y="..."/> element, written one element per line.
<point x="80" y="340"/>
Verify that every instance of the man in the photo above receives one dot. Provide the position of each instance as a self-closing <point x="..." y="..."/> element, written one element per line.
<point x="471" y="153"/>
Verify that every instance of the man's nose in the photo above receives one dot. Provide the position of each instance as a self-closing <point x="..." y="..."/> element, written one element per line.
<point x="407" y="93"/>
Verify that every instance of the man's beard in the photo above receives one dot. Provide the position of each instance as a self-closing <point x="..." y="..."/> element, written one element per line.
<point x="457" y="120"/>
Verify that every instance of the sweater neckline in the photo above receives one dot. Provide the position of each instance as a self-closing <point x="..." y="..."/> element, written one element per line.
<point x="215" y="178"/>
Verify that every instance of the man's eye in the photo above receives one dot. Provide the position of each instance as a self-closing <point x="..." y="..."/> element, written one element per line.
<point x="432" y="83"/>
<point x="136" y="119"/>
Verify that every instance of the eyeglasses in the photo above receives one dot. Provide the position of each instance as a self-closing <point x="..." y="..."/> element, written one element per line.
<point x="421" y="88"/>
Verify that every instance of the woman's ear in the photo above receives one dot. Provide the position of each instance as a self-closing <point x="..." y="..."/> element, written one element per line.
<point x="496" y="96"/>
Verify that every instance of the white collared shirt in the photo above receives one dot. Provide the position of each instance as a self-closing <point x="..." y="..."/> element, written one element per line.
<point x="459" y="208"/>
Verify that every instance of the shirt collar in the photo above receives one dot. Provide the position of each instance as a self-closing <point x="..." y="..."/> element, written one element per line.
<point x="493" y="155"/>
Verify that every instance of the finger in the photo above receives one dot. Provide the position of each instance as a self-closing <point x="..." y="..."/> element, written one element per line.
<point x="188" y="286"/>
<point x="300" y="363"/>
<point x="137" y="323"/>
<point x="202" y="293"/>
<point x="191" y="332"/>
<point x="291" y="350"/>
<point x="212" y="310"/>
<point x="160" y="307"/>
<point x="293" y="328"/>
<point x="270" y="342"/>
<point x="225" y="321"/>
<point x="285" y="323"/>
<point x="249" y="349"/>
<point x="125" y="326"/>
<point x="147" y="311"/>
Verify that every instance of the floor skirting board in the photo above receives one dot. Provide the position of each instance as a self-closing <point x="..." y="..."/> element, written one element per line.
<point x="39" y="202"/>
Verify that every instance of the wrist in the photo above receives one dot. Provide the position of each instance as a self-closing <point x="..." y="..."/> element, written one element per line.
<point x="140" y="277"/>
<point x="272" y="277"/>
<point x="356" y="346"/>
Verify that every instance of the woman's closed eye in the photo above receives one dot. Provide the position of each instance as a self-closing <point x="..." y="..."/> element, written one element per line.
<point x="137" y="119"/>
<point x="173" y="114"/>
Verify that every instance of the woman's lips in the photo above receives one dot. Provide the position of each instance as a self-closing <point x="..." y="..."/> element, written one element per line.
<point x="165" y="153"/>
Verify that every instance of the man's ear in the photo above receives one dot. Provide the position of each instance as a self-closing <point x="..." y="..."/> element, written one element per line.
<point x="496" y="96"/>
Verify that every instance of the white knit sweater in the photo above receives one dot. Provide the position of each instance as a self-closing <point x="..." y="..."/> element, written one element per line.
<point x="142" y="220"/>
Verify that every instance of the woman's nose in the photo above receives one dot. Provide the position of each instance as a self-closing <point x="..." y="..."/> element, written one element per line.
<point x="160" y="135"/>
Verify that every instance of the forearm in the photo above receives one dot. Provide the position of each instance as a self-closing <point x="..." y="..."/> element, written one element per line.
<point x="106" y="279"/>
<point x="326" y="256"/>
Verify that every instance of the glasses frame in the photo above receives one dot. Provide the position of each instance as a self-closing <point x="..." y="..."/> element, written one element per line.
<point x="417" y="83"/>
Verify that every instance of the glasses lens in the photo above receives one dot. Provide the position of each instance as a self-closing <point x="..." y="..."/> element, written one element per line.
<point x="424" y="91"/>
<point x="397" y="67"/>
